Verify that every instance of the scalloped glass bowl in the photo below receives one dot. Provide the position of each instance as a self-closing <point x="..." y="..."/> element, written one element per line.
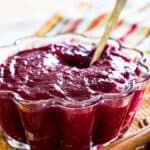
<point x="72" y="125"/>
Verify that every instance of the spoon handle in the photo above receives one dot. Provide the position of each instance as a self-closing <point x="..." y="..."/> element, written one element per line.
<point x="109" y="27"/>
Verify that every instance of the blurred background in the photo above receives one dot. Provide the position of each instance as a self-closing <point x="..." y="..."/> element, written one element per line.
<point x="19" y="18"/>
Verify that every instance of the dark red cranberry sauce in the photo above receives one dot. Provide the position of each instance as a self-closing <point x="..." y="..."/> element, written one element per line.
<point x="62" y="70"/>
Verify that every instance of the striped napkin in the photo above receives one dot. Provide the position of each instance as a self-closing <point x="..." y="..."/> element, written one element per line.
<point x="89" y="17"/>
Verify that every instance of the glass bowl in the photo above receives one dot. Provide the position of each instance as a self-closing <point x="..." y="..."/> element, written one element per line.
<point x="59" y="124"/>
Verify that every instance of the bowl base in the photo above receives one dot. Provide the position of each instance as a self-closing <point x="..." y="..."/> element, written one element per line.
<point x="16" y="144"/>
<point x="101" y="146"/>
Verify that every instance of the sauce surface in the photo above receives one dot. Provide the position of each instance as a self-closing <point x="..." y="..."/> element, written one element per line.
<point x="62" y="70"/>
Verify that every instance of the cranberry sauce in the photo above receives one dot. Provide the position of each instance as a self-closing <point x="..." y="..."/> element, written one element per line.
<point x="41" y="127"/>
<point x="138" y="95"/>
<point x="108" y="120"/>
<point x="9" y="118"/>
<point x="76" y="128"/>
<point x="62" y="71"/>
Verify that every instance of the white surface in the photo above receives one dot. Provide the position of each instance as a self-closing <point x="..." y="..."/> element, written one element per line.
<point x="12" y="30"/>
<point x="20" y="18"/>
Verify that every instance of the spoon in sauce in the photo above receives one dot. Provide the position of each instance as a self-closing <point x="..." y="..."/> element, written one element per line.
<point x="114" y="17"/>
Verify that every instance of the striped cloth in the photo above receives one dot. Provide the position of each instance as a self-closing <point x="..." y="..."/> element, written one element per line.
<point x="90" y="17"/>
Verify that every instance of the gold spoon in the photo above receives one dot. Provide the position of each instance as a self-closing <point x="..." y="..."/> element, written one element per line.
<point x="109" y="27"/>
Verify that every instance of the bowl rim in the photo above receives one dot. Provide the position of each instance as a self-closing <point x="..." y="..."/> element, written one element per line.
<point x="100" y="96"/>
<point x="141" y="61"/>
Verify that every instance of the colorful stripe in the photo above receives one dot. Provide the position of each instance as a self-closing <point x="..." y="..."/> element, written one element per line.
<point x="49" y="24"/>
<point x="137" y="37"/>
<point x="59" y="28"/>
<point x="73" y="26"/>
<point x="96" y="22"/>
<point x="132" y="29"/>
